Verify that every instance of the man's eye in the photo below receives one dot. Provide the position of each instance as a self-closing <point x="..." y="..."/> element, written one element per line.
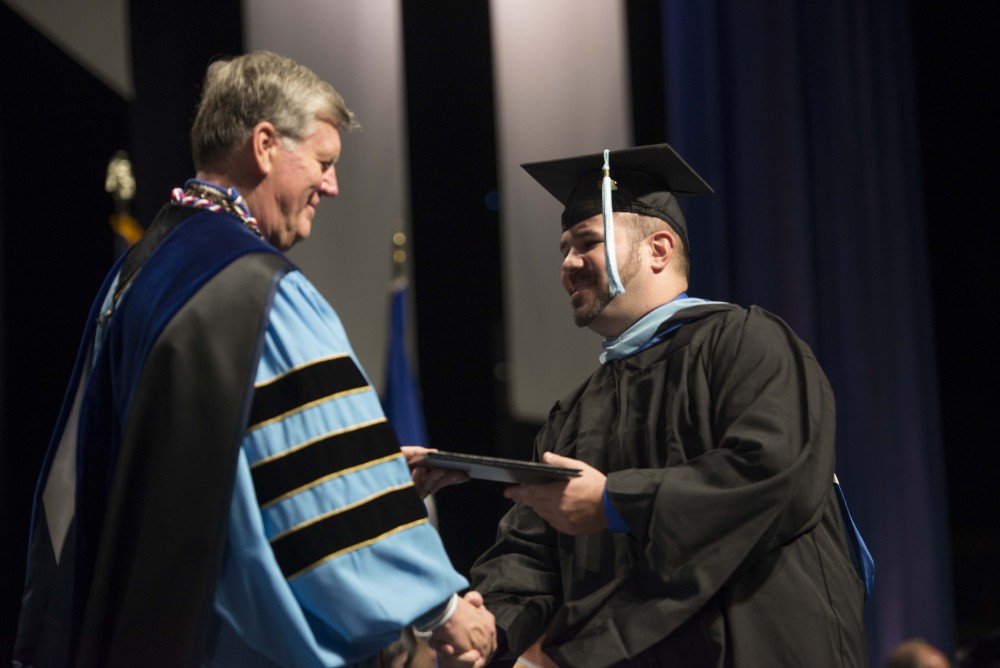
<point x="326" y="164"/>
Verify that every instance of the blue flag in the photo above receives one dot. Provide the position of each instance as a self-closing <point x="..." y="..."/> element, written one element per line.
<point x="401" y="402"/>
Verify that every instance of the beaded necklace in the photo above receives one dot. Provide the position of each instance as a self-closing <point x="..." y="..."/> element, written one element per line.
<point x="207" y="195"/>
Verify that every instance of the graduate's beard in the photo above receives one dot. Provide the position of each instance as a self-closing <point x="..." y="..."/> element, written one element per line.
<point x="585" y="314"/>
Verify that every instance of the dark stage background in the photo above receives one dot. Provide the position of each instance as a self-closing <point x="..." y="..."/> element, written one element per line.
<point x="874" y="246"/>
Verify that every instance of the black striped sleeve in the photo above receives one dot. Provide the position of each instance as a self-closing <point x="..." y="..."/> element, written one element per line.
<point x="303" y="548"/>
<point x="303" y="387"/>
<point x="322" y="459"/>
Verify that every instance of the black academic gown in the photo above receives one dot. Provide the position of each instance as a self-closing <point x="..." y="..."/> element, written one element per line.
<point x="719" y="450"/>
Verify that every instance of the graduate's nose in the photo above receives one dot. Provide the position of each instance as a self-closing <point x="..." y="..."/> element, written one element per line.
<point x="571" y="262"/>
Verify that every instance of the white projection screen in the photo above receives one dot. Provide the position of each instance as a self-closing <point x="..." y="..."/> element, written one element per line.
<point x="562" y="89"/>
<point x="357" y="47"/>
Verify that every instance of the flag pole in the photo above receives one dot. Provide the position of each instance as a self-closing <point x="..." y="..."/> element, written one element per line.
<point x="402" y="403"/>
<point x="120" y="183"/>
<point x="398" y="253"/>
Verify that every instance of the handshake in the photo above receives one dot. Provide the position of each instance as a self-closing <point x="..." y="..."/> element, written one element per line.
<point x="469" y="637"/>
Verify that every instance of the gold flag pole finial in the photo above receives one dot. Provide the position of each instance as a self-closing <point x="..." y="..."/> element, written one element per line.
<point x="120" y="183"/>
<point x="399" y="255"/>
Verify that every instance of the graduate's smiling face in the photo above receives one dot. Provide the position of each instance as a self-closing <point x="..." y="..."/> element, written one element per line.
<point x="584" y="271"/>
<point x="300" y="175"/>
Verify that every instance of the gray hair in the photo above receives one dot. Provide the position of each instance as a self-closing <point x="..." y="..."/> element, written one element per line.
<point x="241" y="92"/>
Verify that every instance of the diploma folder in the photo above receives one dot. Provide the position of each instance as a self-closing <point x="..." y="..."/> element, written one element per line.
<point x="497" y="468"/>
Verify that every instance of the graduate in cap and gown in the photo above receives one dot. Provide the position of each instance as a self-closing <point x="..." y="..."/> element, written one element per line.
<point x="706" y="529"/>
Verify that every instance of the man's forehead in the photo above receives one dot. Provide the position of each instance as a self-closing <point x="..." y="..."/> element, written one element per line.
<point x="326" y="126"/>
<point x="325" y="136"/>
<point x="590" y="227"/>
<point x="587" y="226"/>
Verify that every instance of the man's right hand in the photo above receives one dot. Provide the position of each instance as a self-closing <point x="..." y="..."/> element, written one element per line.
<point x="469" y="638"/>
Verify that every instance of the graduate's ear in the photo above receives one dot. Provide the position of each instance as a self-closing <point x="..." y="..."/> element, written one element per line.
<point x="662" y="245"/>
<point x="264" y="144"/>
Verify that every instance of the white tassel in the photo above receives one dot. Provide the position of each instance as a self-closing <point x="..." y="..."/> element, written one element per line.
<point x="610" y="255"/>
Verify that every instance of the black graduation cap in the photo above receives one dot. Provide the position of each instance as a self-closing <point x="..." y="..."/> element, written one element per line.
<point x="648" y="180"/>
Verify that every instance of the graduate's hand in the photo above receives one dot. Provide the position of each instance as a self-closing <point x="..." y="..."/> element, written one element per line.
<point x="469" y="638"/>
<point x="574" y="507"/>
<point x="471" y="658"/>
<point x="429" y="479"/>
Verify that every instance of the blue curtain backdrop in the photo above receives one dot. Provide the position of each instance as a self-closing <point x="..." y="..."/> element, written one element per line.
<point x="802" y="116"/>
